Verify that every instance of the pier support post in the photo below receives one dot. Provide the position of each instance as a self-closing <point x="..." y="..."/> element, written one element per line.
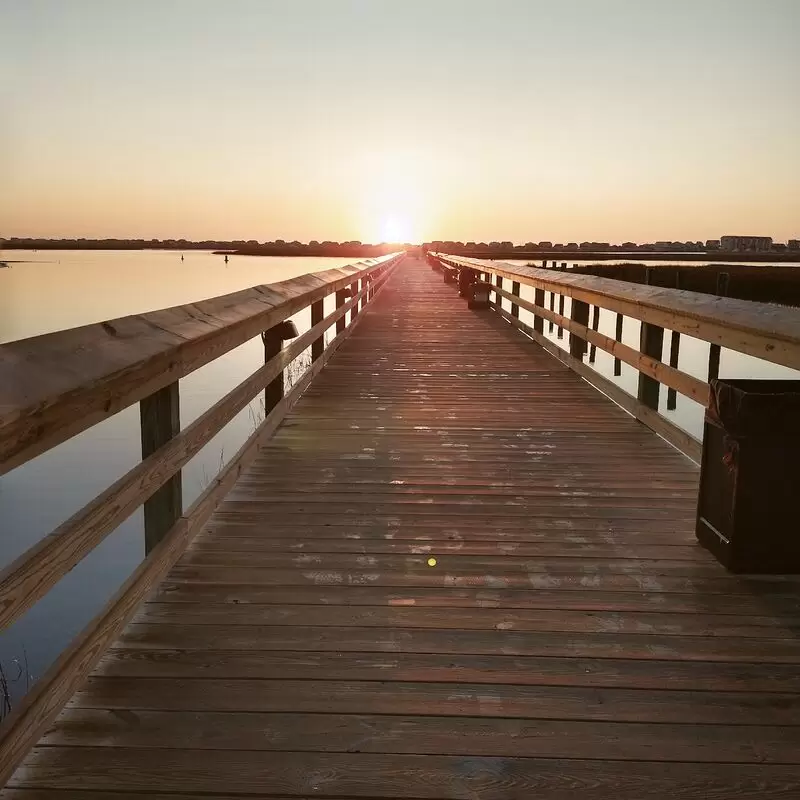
<point x="341" y="299"/>
<point x="515" y="292"/>
<point x="580" y="315"/>
<point x="538" y="299"/>
<point x="273" y="343"/>
<point x="618" y="337"/>
<point x="354" y="309"/>
<point x="160" y="415"/>
<point x="317" y="315"/>
<point x="651" y="343"/>
<point x="595" y="326"/>
<point x="715" y="350"/>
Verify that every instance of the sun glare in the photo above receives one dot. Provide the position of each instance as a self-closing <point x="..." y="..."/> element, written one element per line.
<point x="394" y="228"/>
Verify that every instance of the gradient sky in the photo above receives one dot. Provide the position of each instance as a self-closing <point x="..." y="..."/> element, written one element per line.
<point x="370" y="119"/>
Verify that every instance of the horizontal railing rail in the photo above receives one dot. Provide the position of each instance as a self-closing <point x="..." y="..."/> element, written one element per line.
<point x="763" y="330"/>
<point x="55" y="386"/>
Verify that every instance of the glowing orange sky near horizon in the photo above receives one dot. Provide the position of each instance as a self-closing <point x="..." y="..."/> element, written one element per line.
<point x="413" y="121"/>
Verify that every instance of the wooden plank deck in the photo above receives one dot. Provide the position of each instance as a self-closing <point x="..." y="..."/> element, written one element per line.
<point x="571" y="639"/>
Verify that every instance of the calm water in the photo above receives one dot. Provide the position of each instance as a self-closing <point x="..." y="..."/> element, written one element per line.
<point x="55" y="290"/>
<point x="51" y="291"/>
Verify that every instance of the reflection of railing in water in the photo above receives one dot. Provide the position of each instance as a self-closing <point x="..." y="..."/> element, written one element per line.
<point x="53" y="387"/>
<point x="762" y="330"/>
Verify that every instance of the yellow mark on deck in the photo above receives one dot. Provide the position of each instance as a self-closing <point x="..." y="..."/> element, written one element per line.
<point x="431" y="562"/>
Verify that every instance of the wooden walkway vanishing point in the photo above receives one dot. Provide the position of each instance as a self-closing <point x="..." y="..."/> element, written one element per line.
<point x="455" y="571"/>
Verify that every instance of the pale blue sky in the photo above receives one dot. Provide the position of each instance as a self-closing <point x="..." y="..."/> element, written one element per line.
<point x="502" y="119"/>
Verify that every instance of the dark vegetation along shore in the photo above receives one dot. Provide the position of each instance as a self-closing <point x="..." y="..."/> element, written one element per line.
<point x="355" y="249"/>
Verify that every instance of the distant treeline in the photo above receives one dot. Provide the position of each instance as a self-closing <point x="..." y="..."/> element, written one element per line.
<point x="352" y="249"/>
<point x="676" y="251"/>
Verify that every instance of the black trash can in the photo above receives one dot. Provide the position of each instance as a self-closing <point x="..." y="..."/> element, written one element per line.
<point x="748" y="511"/>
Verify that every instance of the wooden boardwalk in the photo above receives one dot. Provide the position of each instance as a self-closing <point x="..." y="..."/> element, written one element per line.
<point x="457" y="571"/>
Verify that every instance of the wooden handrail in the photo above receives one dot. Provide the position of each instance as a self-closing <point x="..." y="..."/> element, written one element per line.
<point x="54" y="386"/>
<point x="763" y="330"/>
<point x="759" y="329"/>
<point x="31" y="575"/>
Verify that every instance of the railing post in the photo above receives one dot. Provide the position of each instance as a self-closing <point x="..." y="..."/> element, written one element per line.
<point x="273" y="343"/>
<point x="317" y="315"/>
<point x="651" y="343"/>
<point x="498" y="300"/>
<point x="341" y="299"/>
<point x="595" y="326"/>
<point x="561" y="312"/>
<point x="538" y="321"/>
<point x="515" y="292"/>
<point x="160" y="415"/>
<point x="618" y="337"/>
<point x="715" y="350"/>
<point x="553" y="309"/>
<point x="674" y="354"/>
<point x="579" y="314"/>
<point x="354" y="309"/>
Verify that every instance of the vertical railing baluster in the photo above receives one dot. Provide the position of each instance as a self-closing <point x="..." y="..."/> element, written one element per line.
<point x="579" y="313"/>
<point x="595" y="326"/>
<point x="160" y="416"/>
<point x="515" y="292"/>
<point x="651" y="343"/>
<point x="618" y="337"/>
<point x="317" y="315"/>
<point x="715" y="350"/>
<point x="538" y="321"/>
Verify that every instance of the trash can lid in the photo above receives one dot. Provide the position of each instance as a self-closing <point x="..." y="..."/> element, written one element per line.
<point x="751" y="407"/>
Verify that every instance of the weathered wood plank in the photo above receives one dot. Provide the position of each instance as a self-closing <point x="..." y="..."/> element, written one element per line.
<point x="398" y="776"/>
<point x="632" y="673"/>
<point x="477" y="736"/>
<point x="457" y="642"/>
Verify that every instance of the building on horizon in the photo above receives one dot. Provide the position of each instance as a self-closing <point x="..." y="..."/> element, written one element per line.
<point x="746" y="244"/>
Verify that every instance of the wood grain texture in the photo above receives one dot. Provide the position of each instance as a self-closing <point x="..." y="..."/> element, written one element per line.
<point x="570" y="640"/>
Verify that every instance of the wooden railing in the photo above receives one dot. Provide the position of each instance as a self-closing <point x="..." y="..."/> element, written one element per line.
<point x="53" y="387"/>
<point x="766" y="331"/>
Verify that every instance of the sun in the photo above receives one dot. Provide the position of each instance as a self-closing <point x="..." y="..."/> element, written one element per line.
<point x="395" y="228"/>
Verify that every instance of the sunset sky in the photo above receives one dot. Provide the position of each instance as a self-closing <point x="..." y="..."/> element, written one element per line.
<point x="400" y="119"/>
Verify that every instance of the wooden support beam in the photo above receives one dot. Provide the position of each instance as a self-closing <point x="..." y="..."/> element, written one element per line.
<point x="341" y="299"/>
<point x="595" y="326"/>
<point x="618" y="337"/>
<point x="561" y="313"/>
<point x="580" y="315"/>
<point x="538" y="319"/>
<point x="651" y="343"/>
<point x="723" y="280"/>
<point x="674" y="351"/>
<point x="160" y="415"/>
<point x="515" y="291"/>
<point x="553" y="309"/>
<point x="273" y="344"/>
<point x="354" y="288"/>
<point x="318" y="345"/>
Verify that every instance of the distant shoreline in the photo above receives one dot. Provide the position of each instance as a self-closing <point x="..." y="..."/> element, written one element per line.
<point x="362" y="250"/>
